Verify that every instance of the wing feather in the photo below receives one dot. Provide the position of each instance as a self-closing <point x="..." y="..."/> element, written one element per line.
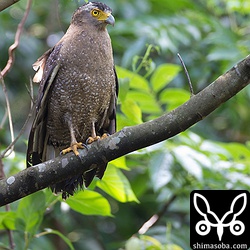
<point x="47" y="67"/>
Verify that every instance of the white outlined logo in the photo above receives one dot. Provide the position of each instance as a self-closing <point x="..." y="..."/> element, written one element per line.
<point x="236" y="227"/>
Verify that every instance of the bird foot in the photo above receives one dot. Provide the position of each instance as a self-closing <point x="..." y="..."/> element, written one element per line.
<point x="105" y="135"/>
<point x="73" y="148"/>
<point x="92" y="139"/>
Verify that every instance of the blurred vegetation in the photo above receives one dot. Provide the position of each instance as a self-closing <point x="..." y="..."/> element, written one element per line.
<point x="211" y="37"/>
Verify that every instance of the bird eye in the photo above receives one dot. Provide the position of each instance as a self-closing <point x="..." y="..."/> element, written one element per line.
<point x="95" y="13"/>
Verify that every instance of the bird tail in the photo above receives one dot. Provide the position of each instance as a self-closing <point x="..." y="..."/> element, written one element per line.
<point x="70" y="186"/>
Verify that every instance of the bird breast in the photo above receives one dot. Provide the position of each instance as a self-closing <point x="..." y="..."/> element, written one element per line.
<point x="83" y="88"/>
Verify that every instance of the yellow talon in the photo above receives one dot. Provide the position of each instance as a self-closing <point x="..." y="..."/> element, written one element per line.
<point x="73" y="148"/>
<point x="104" y="136"/>
<point x="92" y="139"/>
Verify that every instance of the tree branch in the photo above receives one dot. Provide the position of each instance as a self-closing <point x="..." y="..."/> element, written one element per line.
<point x="156" y="217"/>
<point x="128" y="139"/>
<point x="4" y="4"/>
<point x="17" y="38"/>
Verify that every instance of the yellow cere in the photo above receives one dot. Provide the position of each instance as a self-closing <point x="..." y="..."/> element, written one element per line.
<point x="99" y="14"/>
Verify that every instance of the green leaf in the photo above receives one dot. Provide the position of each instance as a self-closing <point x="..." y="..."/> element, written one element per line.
<point x="145" y="100"/>
<point x="172" y="247"/>
<point x="4" y="247"/>
<point x="135" y="81"/>
<point x="239" y="6"/>
<point x="89" y="202"/>
<point x="152" y="241"/>
<point x="237" y="150"/>
<point x="221" y="54"/>
<point x="132" y="111"/>
<point x="123" y="121"/>
<point x="192" y="160"/>
<point x="119" y="163"/>
<point x="30" y="212"/>
<point x="117" y="185"/>
<point x="136" y="184"/>
<point x="7" y="220"/>
<point x="123" y="88"/>
<point x="64" y="238"/>
<point x="163" y="75"/>
<point x="50" y="197"/>
<point x="160" y="170"/>
<point x="174" y="97"/>
<point x="134" y="243"/>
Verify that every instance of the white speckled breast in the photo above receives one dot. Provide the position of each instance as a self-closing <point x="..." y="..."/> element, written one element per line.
<point x="83" y="88"/>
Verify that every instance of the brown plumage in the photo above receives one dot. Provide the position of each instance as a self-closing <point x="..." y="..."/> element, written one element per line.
<point x="77" y="93"/>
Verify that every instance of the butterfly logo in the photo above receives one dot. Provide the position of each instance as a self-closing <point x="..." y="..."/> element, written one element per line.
<point x="203" y="227"/>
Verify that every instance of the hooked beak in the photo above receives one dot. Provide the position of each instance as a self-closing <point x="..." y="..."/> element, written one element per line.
<point x="110" y="20"/>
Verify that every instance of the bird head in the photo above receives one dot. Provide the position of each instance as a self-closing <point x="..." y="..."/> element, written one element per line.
<point x="96" y="13"/>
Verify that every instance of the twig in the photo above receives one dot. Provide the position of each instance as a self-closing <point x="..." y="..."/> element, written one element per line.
<point x="31" y="93"/>
<point x="186" y="72"/>
<point x="3" y="119"/>
<point x="9" y="116"/>
<point x="16" y="42"/>
<point x="156" y="217"/>
<point x="13" y="141"/>
<point x="3" y="154"/>
<point x="2" y="175"/>
<point x="6" y="69"/>
<point x="10" y="232"/>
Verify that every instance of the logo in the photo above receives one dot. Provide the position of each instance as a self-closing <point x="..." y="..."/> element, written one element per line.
<point x="219" y="219"/>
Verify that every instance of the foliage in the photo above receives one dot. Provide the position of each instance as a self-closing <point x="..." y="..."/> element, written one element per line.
<point x="211" y="36"/>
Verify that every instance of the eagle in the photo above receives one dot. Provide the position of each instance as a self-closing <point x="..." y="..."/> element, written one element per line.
<point x="77" y="94"/>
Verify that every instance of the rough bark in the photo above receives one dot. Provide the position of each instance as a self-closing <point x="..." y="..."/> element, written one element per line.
<point x="128" y="139"/>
